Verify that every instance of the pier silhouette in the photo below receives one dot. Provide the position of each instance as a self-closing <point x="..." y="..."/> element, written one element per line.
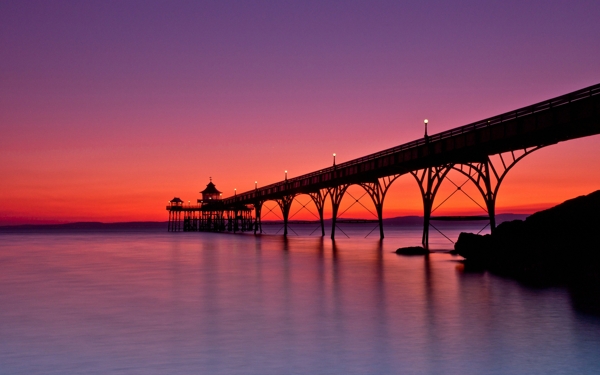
<point x="467" y="149"/>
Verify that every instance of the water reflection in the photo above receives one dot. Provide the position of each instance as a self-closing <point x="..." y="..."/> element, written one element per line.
<point x="210" y="303"/>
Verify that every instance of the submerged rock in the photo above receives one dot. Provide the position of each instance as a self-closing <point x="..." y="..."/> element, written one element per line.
<point x="412" y="250"/>
<point x="556" y="245"/>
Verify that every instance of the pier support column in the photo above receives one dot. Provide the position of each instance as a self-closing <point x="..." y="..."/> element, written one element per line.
<point x="257" y="213"/>
<point x="248" y="222"/>
<point x="186" y="221"/>
<point x="229" y="221"/>
<point x="175" y="221"/>
<point x="429" y="181"/>
<point x="489" y="196"/>
<point x="219" y="221"/>
<point x="487" y="175"/>
<point x="336" y="194"/>
<point x="319" y="200"/>
<point x="235" y="220"/>
<point x="377" y="191"/>
<point x="285" y="203"/>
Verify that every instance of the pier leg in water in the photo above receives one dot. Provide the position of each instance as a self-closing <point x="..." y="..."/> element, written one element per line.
<point x="336" y="194"/>
<point x="487" y="176"/>
<point x="235" y="221"/>
<point x="257" y="213"/>
<point x="319" y="200"/>
<point x="429" y="181"/>
<point x="377" y="191"/>
<point x="490" y="197"/>
<point x="285" y="203"/>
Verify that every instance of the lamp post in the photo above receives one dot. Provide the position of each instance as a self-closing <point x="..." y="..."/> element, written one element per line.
<point x="286" y="175"/>
<point x="334" y="159"/>
<point x="255" y="185"/>
<point x="426" y="121"/>
<point x="234" y="192"/>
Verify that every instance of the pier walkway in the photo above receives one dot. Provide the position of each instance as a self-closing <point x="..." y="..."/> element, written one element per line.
<point x="466" y="149"/>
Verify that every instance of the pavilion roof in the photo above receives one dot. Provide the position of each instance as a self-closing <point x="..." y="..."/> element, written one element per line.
<point x="210" y="189"/>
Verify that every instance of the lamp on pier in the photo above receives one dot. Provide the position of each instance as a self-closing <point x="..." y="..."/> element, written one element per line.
<point x="334" y="159"/>
<point x="255" y="185"/>
<point x="286" y="175"/>
<point x="234" y="192"/>
<point x="426" y="121"/>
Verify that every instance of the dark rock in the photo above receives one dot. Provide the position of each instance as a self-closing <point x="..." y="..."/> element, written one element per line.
<point x="473" y="247"/>
<point x="412" y="250"/>
<point x="557" y="245"/>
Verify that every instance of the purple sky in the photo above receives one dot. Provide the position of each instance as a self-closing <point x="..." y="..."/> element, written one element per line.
<point x="132" y="101"/>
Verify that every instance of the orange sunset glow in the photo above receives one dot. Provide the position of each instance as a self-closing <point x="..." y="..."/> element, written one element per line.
<point x="112" y="131"/>
<point x="234" y="187"/>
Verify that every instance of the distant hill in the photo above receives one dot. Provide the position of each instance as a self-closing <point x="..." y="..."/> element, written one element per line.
<point x="408" y="220"/>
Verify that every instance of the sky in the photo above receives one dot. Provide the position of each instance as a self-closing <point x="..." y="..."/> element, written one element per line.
<point x="108" y="109"/>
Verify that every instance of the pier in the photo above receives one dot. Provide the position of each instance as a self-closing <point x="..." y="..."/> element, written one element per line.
<point x="467" y="149"/>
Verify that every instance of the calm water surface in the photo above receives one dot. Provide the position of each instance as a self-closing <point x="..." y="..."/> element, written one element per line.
<point x="190" y="303"/>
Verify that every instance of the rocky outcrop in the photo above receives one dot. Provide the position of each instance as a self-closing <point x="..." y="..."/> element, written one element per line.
<point x="557" y="245"/>
<point x="412" y="250"/>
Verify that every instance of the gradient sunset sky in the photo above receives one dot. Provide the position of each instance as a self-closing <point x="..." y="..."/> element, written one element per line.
<point x="108" y="109"/>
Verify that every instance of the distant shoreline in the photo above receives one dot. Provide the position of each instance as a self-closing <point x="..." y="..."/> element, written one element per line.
<point x="159" y="226"/>
<point x="87" y="227"/>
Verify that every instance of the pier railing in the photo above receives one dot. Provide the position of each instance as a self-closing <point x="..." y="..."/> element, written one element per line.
<point x="544" y="106"/>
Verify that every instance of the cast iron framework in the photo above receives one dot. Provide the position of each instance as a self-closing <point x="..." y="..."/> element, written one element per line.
<point x="467" y="149"/>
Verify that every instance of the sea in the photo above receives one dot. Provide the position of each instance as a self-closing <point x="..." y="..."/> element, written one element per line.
<point x="137" y="301"/>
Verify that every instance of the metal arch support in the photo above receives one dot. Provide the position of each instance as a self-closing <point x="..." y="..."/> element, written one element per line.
<point x="429" y="181"/>
<point x="318" y="198"/>
<point x="377" y="191"/>
<point x="266" y="210"/>
<point x="285" y="203"/>
<point x="488" y="177"/>
<point x="336" y="194"/>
